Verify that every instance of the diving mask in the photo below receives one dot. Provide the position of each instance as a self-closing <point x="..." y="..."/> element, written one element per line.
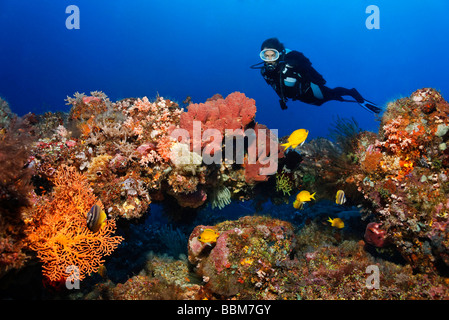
<point x="269" y="55"/>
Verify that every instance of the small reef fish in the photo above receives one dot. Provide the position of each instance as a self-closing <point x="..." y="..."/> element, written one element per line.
<point x="298" y="205"/>
<point x="301" y="198"/>
<point x="340" y="198"/>
<point x="102" y="271"/>
<point x="336" y="223"/>
<point x="208" y="236"/>
<point x="305" y="196"/>
<point x="96" y="218"/>
<point x="297" y="138"/>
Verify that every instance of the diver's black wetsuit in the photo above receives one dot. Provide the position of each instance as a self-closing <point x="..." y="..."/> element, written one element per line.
<point x="295" y="78"/>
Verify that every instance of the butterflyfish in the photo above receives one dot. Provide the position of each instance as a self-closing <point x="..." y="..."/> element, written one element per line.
<point x="336" y="223"/>
<point x="297" y="138"/>
<point x="208" y="236"/>
<point x="340" y="198"/>
<point x="96" y="218"/>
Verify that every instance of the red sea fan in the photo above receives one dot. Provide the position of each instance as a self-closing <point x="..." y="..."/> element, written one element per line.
<point x="235" y="112"/>
<point x="241" y="107"/>
<point x="260" y="163"/>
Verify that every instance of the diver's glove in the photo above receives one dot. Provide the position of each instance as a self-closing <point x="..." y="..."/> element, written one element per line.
<point x="282" y="104"/>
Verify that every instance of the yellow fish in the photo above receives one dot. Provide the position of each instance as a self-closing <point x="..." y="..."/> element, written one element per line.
<point x="340" y="198"/>
<point x="301" y="198"/>
<point x="305" y="196"/>
<point x="208" y="236"/>
<point x="298" y="204"/>
<point x="96" y="218"/>
<point x="337" y="223"/>
<point x="297" y="138"/>
<point x="102" y="271"/>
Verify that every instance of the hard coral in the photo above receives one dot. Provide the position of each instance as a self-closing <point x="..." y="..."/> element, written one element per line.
<point x="57" y="229"/>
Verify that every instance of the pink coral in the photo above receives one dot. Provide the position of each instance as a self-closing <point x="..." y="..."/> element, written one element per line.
<point x="155" y="119"/>
<point x="234" y="112"/>
<point x="145" y="148"/>
<point x="261" y="166"/>
<point x="148" y="154"/>
<point x="91" y="99"/>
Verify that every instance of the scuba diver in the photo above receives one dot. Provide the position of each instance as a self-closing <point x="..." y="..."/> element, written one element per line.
<point x="292" y="76"/>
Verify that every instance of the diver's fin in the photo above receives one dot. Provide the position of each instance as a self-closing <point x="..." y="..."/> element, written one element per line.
<point x="370" y="106"/>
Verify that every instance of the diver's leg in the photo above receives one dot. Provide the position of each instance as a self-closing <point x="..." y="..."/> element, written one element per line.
<point x="328" y="94"/>
<point x="338" y="93"/>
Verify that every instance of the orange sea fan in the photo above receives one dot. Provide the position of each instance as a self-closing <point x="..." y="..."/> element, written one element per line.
<point x="58" y="231"/>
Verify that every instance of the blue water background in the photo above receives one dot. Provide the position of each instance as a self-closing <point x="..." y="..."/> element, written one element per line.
<point x="199" y="48"/>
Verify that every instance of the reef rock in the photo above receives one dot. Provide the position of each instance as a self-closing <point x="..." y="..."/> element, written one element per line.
<point x="246" y="256"/>
<point x="404" y="172"/>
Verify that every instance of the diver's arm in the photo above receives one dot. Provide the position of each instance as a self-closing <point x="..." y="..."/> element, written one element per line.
<point x="282" y="99"/>
<point x="282" y="103"/>
<point x="278" y="89"/>
<point x="302" y="65"/>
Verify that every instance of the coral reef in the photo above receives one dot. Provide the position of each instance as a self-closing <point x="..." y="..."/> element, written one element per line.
<point x="130" y="155"/>
<point x="127" y="158"/>
<point x="262" y="258"/>
<point x="163" y="278"/>
<point x="123" y="156"/>
<point x="5" y="114"/>
<point x="15" y="188"/>
<point x="249" y="253"/>
<point x="404" y="174"/>
<point x="399" y="176"/>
